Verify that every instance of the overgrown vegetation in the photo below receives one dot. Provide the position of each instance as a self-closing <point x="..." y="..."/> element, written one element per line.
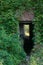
<point x="9" y="36"/>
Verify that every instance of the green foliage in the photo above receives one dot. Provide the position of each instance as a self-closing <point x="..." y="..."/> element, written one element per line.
<point x="10" y="42"/>
<point x="6" y="58"/>
<point x="9" y="37"/>
<point x="37" y="56"/>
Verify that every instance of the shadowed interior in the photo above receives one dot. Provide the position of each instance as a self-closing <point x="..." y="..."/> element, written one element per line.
<point x="28" y="42"/>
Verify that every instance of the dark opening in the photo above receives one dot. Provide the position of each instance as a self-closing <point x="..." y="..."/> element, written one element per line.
<point x="26" y="33"/>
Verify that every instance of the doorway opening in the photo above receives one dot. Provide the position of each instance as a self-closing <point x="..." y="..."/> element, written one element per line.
<point x="26" y="33"/>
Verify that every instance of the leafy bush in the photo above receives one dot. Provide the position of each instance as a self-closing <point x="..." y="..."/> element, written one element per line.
<point x="10" y="42"/>
<point x="9" y="37"/>
<point x="6" y="58"/>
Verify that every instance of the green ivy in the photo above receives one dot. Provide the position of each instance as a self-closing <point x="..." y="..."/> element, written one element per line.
<point x="9" y="36"/>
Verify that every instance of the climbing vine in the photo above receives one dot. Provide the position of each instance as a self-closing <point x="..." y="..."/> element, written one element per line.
<point x="9" y="28"/>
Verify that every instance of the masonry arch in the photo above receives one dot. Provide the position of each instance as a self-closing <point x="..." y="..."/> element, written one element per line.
<point x="26" y="31"/>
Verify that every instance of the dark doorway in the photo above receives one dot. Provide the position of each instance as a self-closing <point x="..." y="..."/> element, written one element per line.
<point x="26" y="33"/>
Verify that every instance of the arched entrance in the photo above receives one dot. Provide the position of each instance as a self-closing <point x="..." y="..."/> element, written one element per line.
<point x="26" y="33"/>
